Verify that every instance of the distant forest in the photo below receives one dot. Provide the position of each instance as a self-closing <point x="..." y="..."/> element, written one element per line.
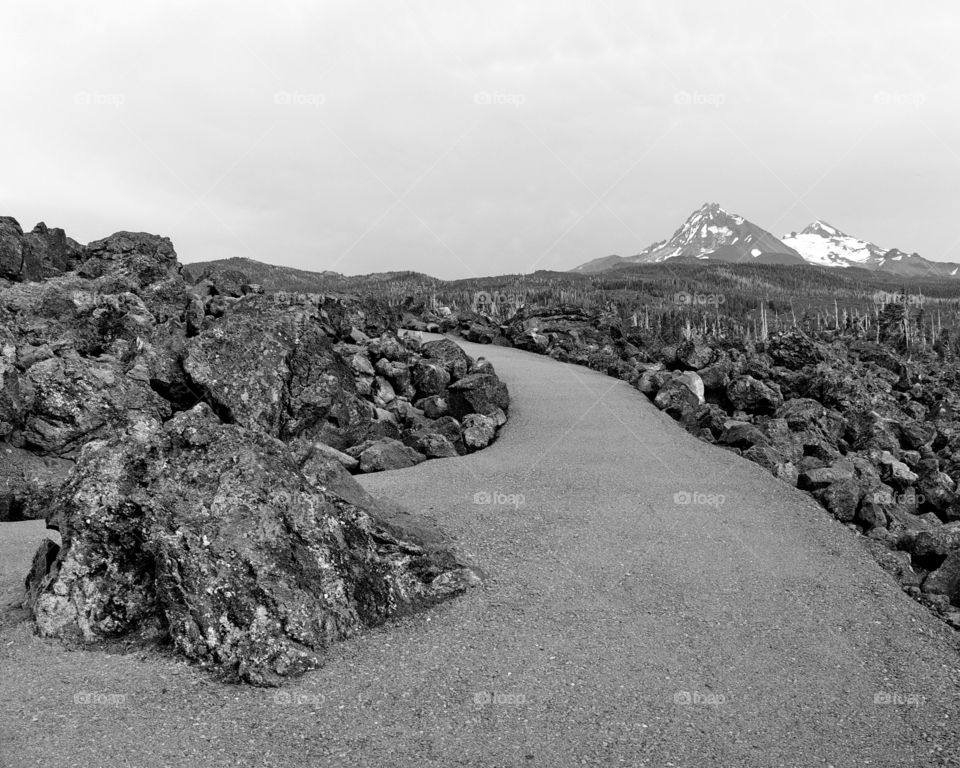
<point x="667" y="298"/>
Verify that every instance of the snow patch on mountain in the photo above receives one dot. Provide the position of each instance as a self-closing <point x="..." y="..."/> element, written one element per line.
<point x="825" y="245"/>
<point x="711" y="232"/>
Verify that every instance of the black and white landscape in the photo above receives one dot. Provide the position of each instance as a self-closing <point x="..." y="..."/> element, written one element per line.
<point x="377" y="389"/>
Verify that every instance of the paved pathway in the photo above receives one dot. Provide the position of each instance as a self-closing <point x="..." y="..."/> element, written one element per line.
<point x="650" y="600"/>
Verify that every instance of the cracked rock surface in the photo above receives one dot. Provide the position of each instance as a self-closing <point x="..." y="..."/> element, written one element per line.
<point x="192" y="442"/>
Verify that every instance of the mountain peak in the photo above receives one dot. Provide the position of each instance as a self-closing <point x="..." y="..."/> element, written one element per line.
<point x="712" y="210"/>
<point x="820" y="227"/>
<point x="712" y="233"/>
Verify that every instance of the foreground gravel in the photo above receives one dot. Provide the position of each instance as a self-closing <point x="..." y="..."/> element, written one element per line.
<point x="734" y="624"/>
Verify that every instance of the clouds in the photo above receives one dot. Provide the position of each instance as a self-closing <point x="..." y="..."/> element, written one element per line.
<point x="460" y="138"/>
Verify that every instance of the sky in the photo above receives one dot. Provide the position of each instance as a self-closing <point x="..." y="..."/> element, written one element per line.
<point x="466" y="138"/>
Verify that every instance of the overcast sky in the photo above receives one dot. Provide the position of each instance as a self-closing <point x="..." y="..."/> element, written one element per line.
<point x="463" y="139"/>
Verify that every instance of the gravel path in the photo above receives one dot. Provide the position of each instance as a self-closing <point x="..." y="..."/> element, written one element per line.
<point x="618" y="625"/>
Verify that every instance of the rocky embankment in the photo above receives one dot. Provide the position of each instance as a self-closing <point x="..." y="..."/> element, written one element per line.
<point x="870" y="434"/>
<point x="193" y="445"/>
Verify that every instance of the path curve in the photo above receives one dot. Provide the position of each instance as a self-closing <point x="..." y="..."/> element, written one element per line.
<point x="618" y="625"/>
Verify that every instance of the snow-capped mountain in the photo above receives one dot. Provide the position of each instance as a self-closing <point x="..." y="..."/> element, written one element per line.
<point x="713" y="234"/>
<point x="709" y="233"/>
<point x="820" y="243"/>
<point x="825" y="245"/>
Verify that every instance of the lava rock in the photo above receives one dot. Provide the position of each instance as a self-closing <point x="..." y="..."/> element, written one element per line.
<point x="822" y="477"/>
<point x="741" y="434"/>
<point x="693" y="354"/>
<point x="678" y="396"/>
<point x="748" y="394"/>
<point x="477" y="393"/>
<point x="388" y="454"/>
<point x="841" y="499"/>
<point x="946" y="579"/>
<point x="28" y="483"/>
<point x="434" y="406"/>
<point x="449" y="355"/>
<point x="478" y="431"/>
<point x="207" y="535"/>
<point x="430" y="378"/>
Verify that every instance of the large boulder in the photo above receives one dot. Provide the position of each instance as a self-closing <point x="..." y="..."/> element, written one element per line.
<point x="11" y="248"/>
<point x="819" y="478"/>
<point x="448" y="354"/>
<point x="841" y="499"/>
<point x="706" y="421"/>
<point x="208" y="535"/>
<point x="43" y="252"/>
<point x="914" y="434"/>
<point x="479" y="431"/>
<point x="276" y="369"/>
<point x="477" y="393"/>
<point x="741" y="434"/>
<point x="871" y="514"/>
<point x="651" y="379"/>
<point x="938" y="489"/>
<point x="387" y="454"/>
<point x="680" y="394"/>
<point x="716" y="376"/>
<point x="142" y="258"/>
<point x="895" y="472"/>
<point x="434" y="445"/>
<point x="434" y="406"/>
<point x="48" y="252"/>
<point x="746" y="393"/>
<point x="932" y="543"/>
<point x="794" y="350"/>
<point x="430" y="377"/>
<point x="694" y="354"/>
<point x="692" y="381"/>
<point x="868" y="430"/>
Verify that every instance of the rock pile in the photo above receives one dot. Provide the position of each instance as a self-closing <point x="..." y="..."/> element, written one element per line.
<point x="192" y="442"/>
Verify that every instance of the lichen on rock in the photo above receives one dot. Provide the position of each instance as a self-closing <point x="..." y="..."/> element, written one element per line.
<point x="208" y="535"/>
